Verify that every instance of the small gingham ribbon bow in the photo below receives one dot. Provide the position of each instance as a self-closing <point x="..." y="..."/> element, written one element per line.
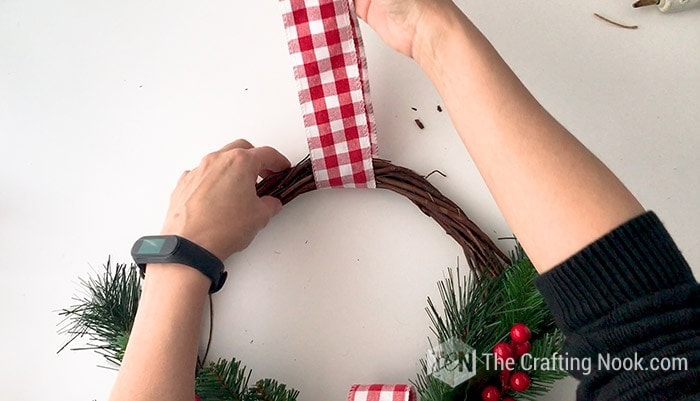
<point x="381" y="392"/>
<point x="331" y="74"/>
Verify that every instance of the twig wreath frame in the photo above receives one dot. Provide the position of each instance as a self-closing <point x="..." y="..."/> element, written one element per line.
<point x="483" y="256"/>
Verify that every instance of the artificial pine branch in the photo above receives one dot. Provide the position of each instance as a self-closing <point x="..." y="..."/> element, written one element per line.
<point x="222" y="380"/>
<point x="519" y="287"/>
<point x="467" y="315"/>
<point x="106" y="313"/>
<point x="519" y="291"/>
<point x="271" y="390"/>
<point x="432" y="389"/>
<point x="480" y="313"/>
<point x="542" y="379"/>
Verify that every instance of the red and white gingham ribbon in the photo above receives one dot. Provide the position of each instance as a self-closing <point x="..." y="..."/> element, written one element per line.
<point x="331" y="74"/>
<point x="382" y="392"/>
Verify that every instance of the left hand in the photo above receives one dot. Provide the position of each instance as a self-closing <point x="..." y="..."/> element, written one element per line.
<point x="216" y="206"/>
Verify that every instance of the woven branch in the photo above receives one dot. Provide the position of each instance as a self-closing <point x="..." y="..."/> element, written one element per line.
<point x="482" y="255"/>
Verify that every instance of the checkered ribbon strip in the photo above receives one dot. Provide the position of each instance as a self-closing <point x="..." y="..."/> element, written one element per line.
<point x="331" y="74"/>
<point x="382" y="392"/>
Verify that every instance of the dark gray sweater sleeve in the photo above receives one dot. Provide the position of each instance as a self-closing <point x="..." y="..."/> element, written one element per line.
<point x="629" y="305"/>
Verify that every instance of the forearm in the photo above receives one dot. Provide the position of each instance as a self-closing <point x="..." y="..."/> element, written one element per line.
<point x="556" y="195"/>
<point x="215" y="206"/>
<point x="160" y="360"/>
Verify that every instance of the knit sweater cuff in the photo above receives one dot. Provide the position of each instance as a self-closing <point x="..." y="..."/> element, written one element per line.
<point x="635" y="260"/>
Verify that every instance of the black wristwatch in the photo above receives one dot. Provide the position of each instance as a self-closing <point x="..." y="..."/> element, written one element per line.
<point x="175" y="249"/>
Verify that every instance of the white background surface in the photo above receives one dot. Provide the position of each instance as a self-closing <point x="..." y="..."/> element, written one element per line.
<point x="103" y="104"/>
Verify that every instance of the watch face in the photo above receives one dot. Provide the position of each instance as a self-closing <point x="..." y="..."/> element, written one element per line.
<point x="156" y="245"/>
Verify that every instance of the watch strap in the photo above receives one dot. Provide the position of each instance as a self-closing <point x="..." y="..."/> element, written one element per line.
<point x="190" y="254"/>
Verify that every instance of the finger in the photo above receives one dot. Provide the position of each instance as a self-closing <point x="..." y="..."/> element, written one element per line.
<point x="237" y="144"/>
<point x="264" y="173"/>
<point x="270" y="159"/>
<point x="183" y="176"/>
<point x="271" y="206"/>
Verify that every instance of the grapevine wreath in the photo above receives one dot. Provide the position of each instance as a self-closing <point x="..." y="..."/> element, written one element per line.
<point x="495" y="309"/>
<point x="493" y="323"/>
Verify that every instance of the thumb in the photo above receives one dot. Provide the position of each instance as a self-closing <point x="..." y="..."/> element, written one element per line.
<point x="271" y="205"/>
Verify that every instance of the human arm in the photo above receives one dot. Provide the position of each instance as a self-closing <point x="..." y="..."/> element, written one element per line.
<point x="572" y="198"/>
<point x="215" y="206"/>
<point x="616" y="283"/>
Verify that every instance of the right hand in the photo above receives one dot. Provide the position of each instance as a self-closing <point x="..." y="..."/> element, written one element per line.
<point x="402" y="24"/>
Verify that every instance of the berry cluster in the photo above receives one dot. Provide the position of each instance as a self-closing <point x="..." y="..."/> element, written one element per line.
<point x="505" y="353"/>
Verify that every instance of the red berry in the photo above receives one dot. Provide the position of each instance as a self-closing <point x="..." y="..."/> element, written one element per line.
<point x="521" y="348"/>
<point x="196" y="398"/>
<point x="520" y="381"/>
<point x="505" y="378"/>
<point x="490" y="393"/>
<point x="520" y="333"/>
<point x="503" y="351"/>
